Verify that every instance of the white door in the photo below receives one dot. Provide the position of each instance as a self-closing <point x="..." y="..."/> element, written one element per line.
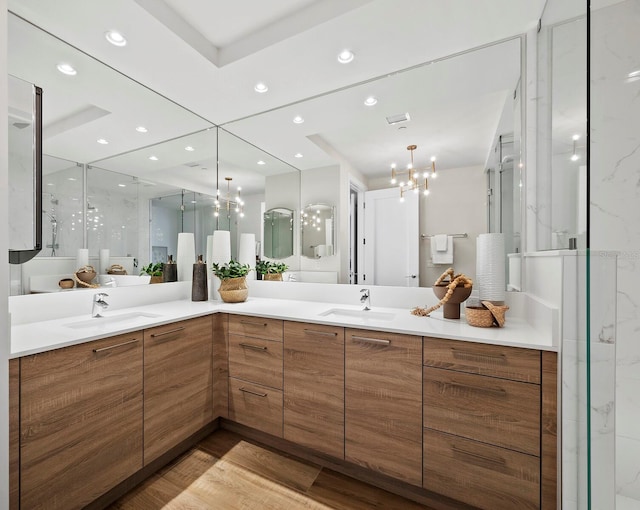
<point x="391" y="238"/>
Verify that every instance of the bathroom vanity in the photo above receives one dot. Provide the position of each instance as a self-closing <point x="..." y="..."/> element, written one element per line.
<point x="434" y="410"/>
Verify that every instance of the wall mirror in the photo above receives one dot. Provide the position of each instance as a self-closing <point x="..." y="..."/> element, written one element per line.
<point x="350" y="138"/>
<point x="317" y="231"/>
<point x="278" y="233"/>
<point x="562" y="207"/>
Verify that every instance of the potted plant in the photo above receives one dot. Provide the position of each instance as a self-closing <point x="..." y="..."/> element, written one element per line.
<point x="271" y="270"/>
<point x="154" y="271"/>
<point x="233" y="284"/>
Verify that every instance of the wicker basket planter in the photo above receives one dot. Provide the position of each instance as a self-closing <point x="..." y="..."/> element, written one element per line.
<point x="234" y="290"/>
<point x="274" y="277"/>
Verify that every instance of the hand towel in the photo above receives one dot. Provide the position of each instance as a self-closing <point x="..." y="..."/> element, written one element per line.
<point x="445" y="256"/>
<point x="441" y="241"/>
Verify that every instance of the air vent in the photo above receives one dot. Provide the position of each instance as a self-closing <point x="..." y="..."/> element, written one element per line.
<point x="396" y="119"/>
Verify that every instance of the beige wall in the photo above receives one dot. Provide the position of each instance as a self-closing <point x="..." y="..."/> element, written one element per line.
<point x="456" y="204"/>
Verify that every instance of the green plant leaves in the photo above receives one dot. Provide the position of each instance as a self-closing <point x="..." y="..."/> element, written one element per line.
<point x="231" y="269"/>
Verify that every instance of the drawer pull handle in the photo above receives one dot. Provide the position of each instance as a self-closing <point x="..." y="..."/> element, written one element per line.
<point x="171" y="331"/>
<point x="501" y="392"/>
<point x="499" y="460"/>
<point x="256" y="393"/>
<point x="250" y="323"/>
<point x="102" y="349"/>
<point x="377" y="341"/>
<point x="482" y="358"/>
<point x="322" y="333"/>
<point x="254" y="347"/>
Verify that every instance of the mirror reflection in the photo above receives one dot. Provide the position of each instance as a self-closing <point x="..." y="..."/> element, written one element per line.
<point x="317" y="226"/>
<point x="350" y="139"/>
<point x="278" y="233"/>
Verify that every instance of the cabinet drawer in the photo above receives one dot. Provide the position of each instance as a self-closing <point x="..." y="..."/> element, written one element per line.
<point x="495" y="360"/>
<point x="488" y="409"/>
<point x="256" y="360"/>
<point x="487" y="477"/>
<point x="256" y="406"/>
<point x="270" y="329"/>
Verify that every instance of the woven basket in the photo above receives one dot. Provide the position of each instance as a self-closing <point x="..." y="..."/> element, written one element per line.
<point x="274" y="277"/>
<point x="234" y="290"/>
<point x="478" y="316"/>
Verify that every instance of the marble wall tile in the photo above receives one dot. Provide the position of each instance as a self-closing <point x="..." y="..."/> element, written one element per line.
<point x="615" y="215"/>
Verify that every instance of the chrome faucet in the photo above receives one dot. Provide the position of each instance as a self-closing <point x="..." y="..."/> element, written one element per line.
<point x="365" y="298"/>
<point x="99" y="304"/>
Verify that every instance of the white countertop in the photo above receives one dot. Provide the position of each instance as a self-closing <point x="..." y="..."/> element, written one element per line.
<point x="47" y="335"/>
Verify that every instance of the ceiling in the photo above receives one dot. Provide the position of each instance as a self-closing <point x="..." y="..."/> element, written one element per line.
<point x="207" y="55"/>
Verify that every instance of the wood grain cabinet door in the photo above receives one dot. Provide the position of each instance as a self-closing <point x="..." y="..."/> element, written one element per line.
<point x="383" y="403"/>
<point x="314" y="386"/>
<point x="178" y="389"/>
<point x="81" y="421"/>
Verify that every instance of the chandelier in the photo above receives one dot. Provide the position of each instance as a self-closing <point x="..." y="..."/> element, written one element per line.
<point x="417" y="180"/>
<point x="229" y="201"/>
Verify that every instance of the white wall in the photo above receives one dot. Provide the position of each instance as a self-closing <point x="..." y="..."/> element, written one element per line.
<point x="4" y="270"/>
<point x="456" y="204"/>
<point x="615" y="219"/>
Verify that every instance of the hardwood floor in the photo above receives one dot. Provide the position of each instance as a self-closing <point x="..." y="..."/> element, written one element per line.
<point x="228" y="472"/>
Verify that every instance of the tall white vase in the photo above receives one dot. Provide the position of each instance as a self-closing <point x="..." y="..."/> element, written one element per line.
<point x="490" y="267"/>
<point x="220" y="254"/>
<point x="247" y="253"/>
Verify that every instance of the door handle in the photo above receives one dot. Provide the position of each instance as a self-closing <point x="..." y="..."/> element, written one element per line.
<point x="411" y="276"/>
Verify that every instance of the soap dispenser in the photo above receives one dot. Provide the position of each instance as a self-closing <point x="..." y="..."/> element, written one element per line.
<point x="170" y="271"/>
<point x="199" y="288"/>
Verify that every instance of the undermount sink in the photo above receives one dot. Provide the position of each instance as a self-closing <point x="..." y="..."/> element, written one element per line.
<point x="96" y="322"/>
<point x="359" y="314"/>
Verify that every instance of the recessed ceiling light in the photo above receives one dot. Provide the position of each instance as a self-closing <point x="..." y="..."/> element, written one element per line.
<point x="71" y="179"/>
<point x="298" y="120"/>
<point x="115" y="38"/>
<point x="67" y="69"/>
<point x="370" y="101"/>
<point x="345" y="56"/>
<point x="261" y="87"/>
<point x="194" y="201"/>
<point x="122" y="185"/>
<point x="298" y="155"/>
<point x="261" y="162"/>
<point x="102" y="141"/>
<point x="189" y="148"/>
<point x="49" y="184"/>
<point x="575" y="137"/>
<point x="141" y="129"/>
<point x="153" y="158"/>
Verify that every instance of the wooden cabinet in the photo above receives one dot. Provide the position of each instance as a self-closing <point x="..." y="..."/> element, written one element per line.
<point x="177" y="383"/>
<point x="220" y="365"/>
<point x="314" y="386"/>
<point x="481" y="475"/>
<point x="383" y="402"/>
<point x="14" y="434"/>
<point x="81" y="421"/>
<point x="255" y="373"/>
<point x="482" y="411"/>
